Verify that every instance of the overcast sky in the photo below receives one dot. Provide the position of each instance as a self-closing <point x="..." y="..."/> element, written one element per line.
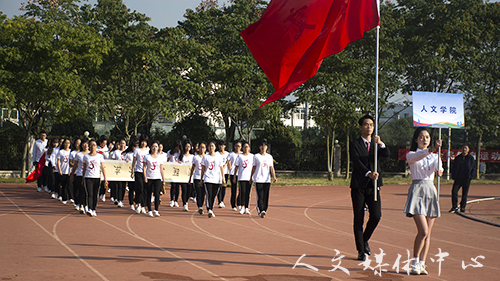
<point x="163" y="13"/>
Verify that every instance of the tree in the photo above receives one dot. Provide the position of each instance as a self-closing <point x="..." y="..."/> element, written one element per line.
<point x="40" y="64"/>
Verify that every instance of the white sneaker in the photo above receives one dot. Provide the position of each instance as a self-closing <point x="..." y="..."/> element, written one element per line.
<point x="423" y="270"/>
<point x="211" y="214"/>
<point x="46" y="189"/>
<point x="89" y="213"/>
<point x="240" y="207"/>
<point x="143" y="210"/>
<point x="138" y="210"/>
<point x="112" y="200"/>
<point x="94" y="214"/>
<point x="262" y="214"/>
<point x="247" y="211"/>
<point x="39" y="189"/>
<point x="242" y="211"/>
<point x="194" y="200"/>
<point x="59" y="198"/>
<point x="152" y="198"/>
<point x="150" y="214"/>
<point x="132" y="207"/>
<point x="200" y="210"/>
<point x="82" y="210"/>
<point x="221" y="205"/>
<point x="71" y="200"/>
<point x="186" y="207"/>
<point x="172" y="203"/>
<point x="156" y="213"/>
<point x="65" y="202"/>
<point x="103" y="198"/>
<point x="415" y="269"/>
<point x="176" y="204"/>
<point x="77" y="208"/>
<point x="120" y="204"/>
<point x="235" y="209"/>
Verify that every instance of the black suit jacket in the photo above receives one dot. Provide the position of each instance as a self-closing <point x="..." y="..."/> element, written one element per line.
<point x="362" y="162"/>
<point x="468" y="168"/>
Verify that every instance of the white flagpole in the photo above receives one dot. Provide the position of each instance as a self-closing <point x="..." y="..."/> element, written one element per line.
<point x="439" y="166"/>
<point x="376" y="108"/>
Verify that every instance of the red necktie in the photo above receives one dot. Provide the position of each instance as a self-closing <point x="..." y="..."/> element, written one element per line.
<point x="368" y="146"/>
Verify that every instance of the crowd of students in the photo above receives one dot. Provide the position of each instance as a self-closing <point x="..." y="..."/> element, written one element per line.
<point x="72" y="174"/>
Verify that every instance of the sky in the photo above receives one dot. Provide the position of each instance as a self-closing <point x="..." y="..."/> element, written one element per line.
<point x="163" y="13"/>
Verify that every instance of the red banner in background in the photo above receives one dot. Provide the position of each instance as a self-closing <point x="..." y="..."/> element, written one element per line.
<point x="487" y="155"/>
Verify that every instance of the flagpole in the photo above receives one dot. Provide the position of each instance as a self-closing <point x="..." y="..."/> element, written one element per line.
<point x="439" y="166"/>
<point x="376" y="109"/>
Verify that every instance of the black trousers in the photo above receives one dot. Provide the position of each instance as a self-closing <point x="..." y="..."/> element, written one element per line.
<point x="235" y="199"/>
<point x="112" y="187"/>
<point x="131" y="192"/>
<point x="80" y="192"/>
<point x="222" y="190"/>
<point x="119" y="190"/>
<point x="211" y="189"/>
<point x="153" y="187"/>
<point x="245" y="189"/>
<point x="92" y="186"/>
<point x="64" y="179"/>
<point x="174" y="191"/>
<point x="262" y="190"/>
<point x="464" y="184"/>
<point x="140" y="190"/>
<point x="57" y="183"/>
<point x="360" y="197"/>
<point x="49" y="177"/>
<point x="186" y="192"/>
<point x="200" y="193"/>
<point x="42" y="179"/>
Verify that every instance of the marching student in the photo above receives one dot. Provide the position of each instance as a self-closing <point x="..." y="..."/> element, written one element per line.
<point x="262" y="168"/>
<point x="186" y="158"/>
<point x="225" y="155"/>
<point x="233" y="177"/>
<point x="38" y="149"/>
<point x="52" y="164"/>
<point x="244" y="165"/>
<point x="422" y="203"/>
<point x="64" y="169"/>
<point x="118" y="191"/>
<point x="173" y="156"/>
<point x="154" y="178"/>
<point x="129" y="158"/>
<point x="72" y="188"/>
<point x="212" y="174"/>
<point x="81" y="193"/>
<point x="137" y="168"/>
<point x="102" y="148"/>
<point x="196" y="176"/>
<point x="92" y="167"/>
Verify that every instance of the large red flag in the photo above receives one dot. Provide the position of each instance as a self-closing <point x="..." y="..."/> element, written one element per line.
<point x="292" y="37"/>
<point x="38" y="171"/>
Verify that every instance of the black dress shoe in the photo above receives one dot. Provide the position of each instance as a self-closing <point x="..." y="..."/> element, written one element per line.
<point x="361" y="256"/>
<point x="462" y="210"/>
<point x="453" y="210"/>
<point x="367" y="248"/>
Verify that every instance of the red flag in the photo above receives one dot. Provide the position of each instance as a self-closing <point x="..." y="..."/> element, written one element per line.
<point x="292" y="37"/>
<point x="38" y="171"/>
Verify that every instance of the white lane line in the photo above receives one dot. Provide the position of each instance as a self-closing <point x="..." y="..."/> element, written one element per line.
<point x="55" y="237"/>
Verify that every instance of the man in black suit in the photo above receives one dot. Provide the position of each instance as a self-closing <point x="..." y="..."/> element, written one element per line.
<point x="462" y="172"/>
<point x="362" y="153"/>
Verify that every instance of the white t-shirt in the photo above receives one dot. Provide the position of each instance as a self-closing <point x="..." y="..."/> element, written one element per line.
<point x="104" y="151"/>
<point x="212" y="171"/>
<point x="197" y="167"/>
<point x="93" y="164"/>
<point x="262" y="164"/>
<point x="79" y="168"/>
<point x="39" y="149"/>
<point x="173" y="158"/>
<point x="232" y="158"/>
<point x="63" y="156"/>
<point x="129" y="156"/>
<point x="72" y="156"/>
<point x="187" y="159"/>
<point x="53" y="159"/>
<point x="117" y="155"/>
<point x="224" y="157"/>
<point x="152" y="167"/>
<point x="139" y="155"/>
<point x="245" y="164"/>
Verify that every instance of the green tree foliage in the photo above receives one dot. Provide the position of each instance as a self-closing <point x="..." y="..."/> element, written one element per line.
<point x="40" y="64"/>
<point x="193" y="127"/>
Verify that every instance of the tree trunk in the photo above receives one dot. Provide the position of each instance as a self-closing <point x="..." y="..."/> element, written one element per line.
<point x="329" y="153"/>
<point x="348" y="156"/>
<point x="25" y="154"/>
<point x="478" y="155"/>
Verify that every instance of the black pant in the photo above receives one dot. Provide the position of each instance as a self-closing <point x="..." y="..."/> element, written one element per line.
<point x="42" y="179"/>
<point x="262" y="190"/>
<point x="174" y="191"/>
<point x="112" y="187"/>
<point x="360" y="197"/>
<point x="64" y="187"/>
<point x="234" y="189"/>
<point x="80" y="192"/>
<point x="139" y="188"/>
<point x="92" y="186"/>
<point x="131" y="192"/>
<point x="119" y="190"/>
<point x="222" y="190"/>
<point x="57" y="183"/>
<point x="245" y="189"/>
<point x="153" y="187"/>
<point x="200" y="193"/>
<point x="186" y="191"/>
<point x="465" y="184"/>
<point x="49" y="177"/>
<point x="211" y="189"/>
